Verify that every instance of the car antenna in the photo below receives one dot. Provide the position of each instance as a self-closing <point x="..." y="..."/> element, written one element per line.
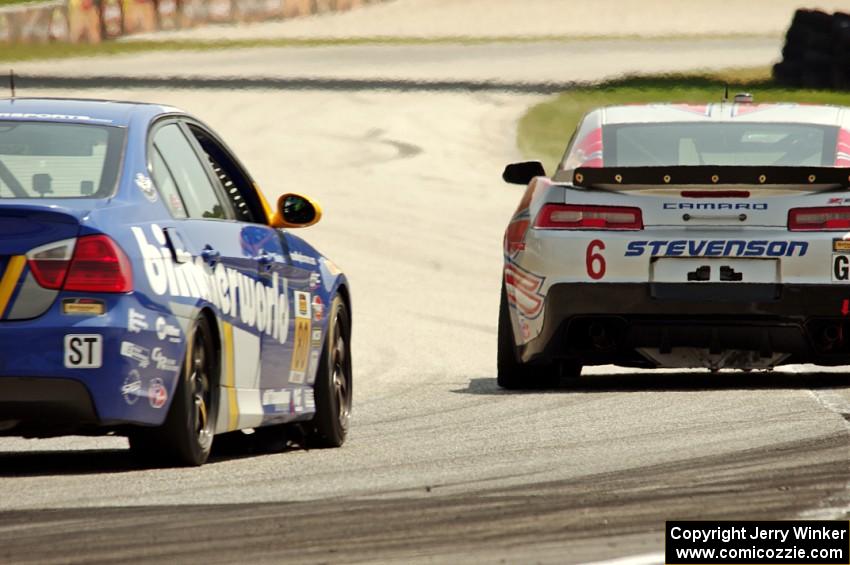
<point x="12" y="81"/>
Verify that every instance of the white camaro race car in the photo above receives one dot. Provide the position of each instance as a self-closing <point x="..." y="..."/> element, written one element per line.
<point x="682" y="236"/>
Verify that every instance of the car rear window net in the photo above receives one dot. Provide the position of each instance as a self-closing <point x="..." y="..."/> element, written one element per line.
<point x="56" y="160"/>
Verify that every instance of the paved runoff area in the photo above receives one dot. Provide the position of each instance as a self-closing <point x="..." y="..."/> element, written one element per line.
<point x="441" y="465"/>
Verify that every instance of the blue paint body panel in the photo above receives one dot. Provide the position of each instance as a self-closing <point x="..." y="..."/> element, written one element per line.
<point x="143" y="333"/>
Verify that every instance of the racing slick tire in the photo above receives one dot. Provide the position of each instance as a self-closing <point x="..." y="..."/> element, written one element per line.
<point x="511" y="373"/>
<point x="186" y="436"/>
<point x="333" y="385"/>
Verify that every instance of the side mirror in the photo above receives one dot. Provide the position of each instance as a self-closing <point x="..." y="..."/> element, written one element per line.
<point x="522" y="173"/>
<point x="295" y="211"/>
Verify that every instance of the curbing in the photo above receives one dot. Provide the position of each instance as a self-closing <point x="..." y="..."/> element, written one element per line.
<point x="93" y="21"/>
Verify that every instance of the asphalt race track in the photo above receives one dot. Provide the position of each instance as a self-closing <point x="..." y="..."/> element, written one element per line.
<point x="441" y="465"/>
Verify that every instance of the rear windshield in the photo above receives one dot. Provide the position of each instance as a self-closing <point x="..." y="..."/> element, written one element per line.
<point x="55" y="160"/>
<point x="743" y="144"/>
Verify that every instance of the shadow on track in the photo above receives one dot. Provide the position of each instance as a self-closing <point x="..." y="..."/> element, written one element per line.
<point x="672" y="382"/>
<point x="227" y="447"/>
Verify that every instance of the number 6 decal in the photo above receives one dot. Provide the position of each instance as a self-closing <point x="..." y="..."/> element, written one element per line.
<point x="594" y="259"/>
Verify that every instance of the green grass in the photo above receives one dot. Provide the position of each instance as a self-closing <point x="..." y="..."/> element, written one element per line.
<point x="545" y="128"/>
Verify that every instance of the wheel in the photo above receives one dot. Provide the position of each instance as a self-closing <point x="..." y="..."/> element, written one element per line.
<point x="333" y="384"/>
<point x="186" y="436"/>
<point x="511" y="373"/>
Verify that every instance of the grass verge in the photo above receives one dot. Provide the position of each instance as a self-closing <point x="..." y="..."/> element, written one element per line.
<point x="545" y="128"/>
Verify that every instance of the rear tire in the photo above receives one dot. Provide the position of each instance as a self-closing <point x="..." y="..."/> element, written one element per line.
<point x="186" y="436"/>
<point x="333" y="386"/>
<point x="513" y="374"/>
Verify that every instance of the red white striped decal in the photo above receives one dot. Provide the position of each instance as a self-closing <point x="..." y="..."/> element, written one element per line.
<point x="523" y="289"/>
<point x="842" y="149"/>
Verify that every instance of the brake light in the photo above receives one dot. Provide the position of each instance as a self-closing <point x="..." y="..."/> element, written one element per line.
<point x="577" y="217"/>
<point x="819" y="219"/>
<point x="99" y="265"/>
<point x="94" y="263"/>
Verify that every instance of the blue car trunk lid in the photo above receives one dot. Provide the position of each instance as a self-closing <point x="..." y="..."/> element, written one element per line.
<point x="23" y="228"/>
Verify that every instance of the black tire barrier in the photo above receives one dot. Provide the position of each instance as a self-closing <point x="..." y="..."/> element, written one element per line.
<point x="816" y="53"/>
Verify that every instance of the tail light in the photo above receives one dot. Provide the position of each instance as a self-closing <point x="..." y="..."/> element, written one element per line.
<point x="819" y="219"/>
<point x="577" y="217"/>
<point x="49" y="263"/>
<point x="92" y="263"/>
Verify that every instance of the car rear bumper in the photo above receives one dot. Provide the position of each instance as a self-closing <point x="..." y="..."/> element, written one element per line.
<point x="600" y="323"/>
<point x="45" y="406"/>
<point x="42" y="395"/>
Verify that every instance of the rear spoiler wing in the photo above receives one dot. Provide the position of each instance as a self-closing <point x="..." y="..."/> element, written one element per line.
<point x="624" y="178"/>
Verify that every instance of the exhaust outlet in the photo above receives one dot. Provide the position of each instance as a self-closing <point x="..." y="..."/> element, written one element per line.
<point x="831" y="335"/>
<point x="599" y="336"/>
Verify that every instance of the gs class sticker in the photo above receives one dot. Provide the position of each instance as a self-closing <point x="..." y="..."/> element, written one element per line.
<point x="83" y="351"/>
<point x="840" y="267"/>
<point x="301" y="346"/>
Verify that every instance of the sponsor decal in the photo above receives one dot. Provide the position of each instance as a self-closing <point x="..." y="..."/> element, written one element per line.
<point x="136" y="321"/>
<point x="279" y="400"/>
<point x="314" y="361"/>
<point x="302" y="258"/>
<point x="83" y="307"/>
<point x="167" y="332"/>
<point x="83" y="351"/>
<point x="318" y="308"/>
<point x="302" y="304"/>
<point x="841" y="245"/>
<point x="715" y="206"/>
<point x="301" y="345"/>
<point x="131" y="390"/>
<point x="66" y="117"/>
<point x="164" y="363"/>
<point x="717" y="248"/>
<point x="315" y="281"/>
<point x="838" y="201"/>
<point x="145" y="184"/>
<point x="840" y="267"/>
<point x="255" y="303"/>
<point x="137" y="353"/>
<point x="297" y="402"/>
<point x="157" y="394"/>
<point x="317" y="337"/>
<point x="524" y="290"/>
<point x="309" y="401"/>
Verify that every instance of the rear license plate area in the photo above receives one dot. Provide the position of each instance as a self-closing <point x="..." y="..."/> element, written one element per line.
<point x="697" y="270"/>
